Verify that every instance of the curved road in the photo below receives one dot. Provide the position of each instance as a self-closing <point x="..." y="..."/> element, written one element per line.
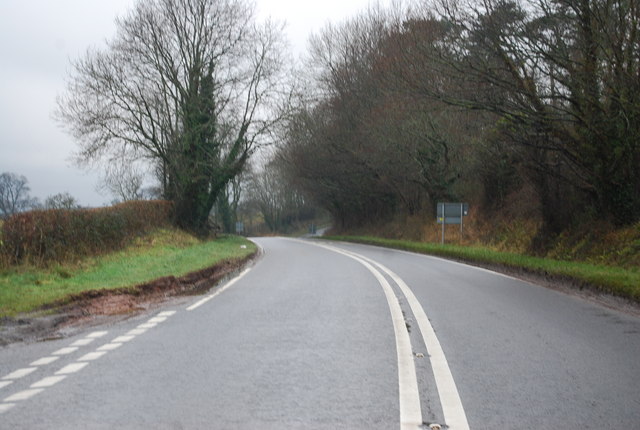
<point x="325" y="336"/>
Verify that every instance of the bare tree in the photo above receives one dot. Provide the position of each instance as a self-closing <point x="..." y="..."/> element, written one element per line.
<point x="14" y="194"/>
<point x="61" y="201"/>
<point x="191" y="85"/>
<point x="123" y="180"/>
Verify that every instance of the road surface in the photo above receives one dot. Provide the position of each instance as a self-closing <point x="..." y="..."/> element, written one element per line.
<point x="321" y="335"/>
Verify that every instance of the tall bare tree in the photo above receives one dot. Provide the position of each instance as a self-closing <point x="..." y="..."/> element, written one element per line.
<point x="190" y="85"/>
<point x="14" y="194"/>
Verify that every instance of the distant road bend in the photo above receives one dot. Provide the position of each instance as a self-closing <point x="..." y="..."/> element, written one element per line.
<point x="322" y="335"/>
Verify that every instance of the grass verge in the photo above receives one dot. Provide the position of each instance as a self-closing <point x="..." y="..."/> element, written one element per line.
<point x="613" y="280"/>
<point x="163" y="253"/>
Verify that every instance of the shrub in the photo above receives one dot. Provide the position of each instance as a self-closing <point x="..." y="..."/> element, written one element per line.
<point x="57" y="235"/>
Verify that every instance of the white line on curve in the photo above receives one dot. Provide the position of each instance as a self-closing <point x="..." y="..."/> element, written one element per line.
<point x="452" y="408"/>
<point x="218" y="291"/>
<point x="410" y="409"/>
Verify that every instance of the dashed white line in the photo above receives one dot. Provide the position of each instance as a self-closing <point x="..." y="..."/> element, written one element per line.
<point x="83" y="342"/>
<point x="20" y="373"/>
<point x="97" y="334"/>
<point x="71" y="368"/>
<point x="122" y="339"/>
<point x="92" y="356"/>
<point x="23" y="395"/>
<point x="44" y="361"/>
<point x="148" y="325"/>
<point x="49" y="381"/>
<point x="109" y="347"/>
<point x="65" y="351"/>
<point x="167" y="313"/>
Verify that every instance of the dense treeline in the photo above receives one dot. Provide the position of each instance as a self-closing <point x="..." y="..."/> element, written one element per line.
<point x="490" y="102"/>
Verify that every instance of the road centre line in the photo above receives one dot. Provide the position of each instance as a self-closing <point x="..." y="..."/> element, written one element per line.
<point x="218" y="291"/>
<point x="452" y="408"/>
<point x="409" y="395"/>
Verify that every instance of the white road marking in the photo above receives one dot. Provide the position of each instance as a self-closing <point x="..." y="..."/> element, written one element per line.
<point x="410" y="409"/>
<point x="65" y="351"/>
<point x="97" y="334"/>
<point x="218" y="291"/>
<point x="71" y="368"/>
<point x="83" y="342"/>
<point x="109" y="346"/>
<point x="4" y="407"/>
<point x="147" y="325"/>
<point x="23" y="395"/>
<point x="82" y="362"/>
<point x="452" y="409"/>
<point x="122" y="339"/>
<point x="49" y="381"/>
<point x="20" y="373"/>
<point x="92" y="356"/>
<point x="44" y="360"/>
<point x="167" y="313"/>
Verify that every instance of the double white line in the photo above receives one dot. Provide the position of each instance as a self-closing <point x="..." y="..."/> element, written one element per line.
<point x="410" y="410"/>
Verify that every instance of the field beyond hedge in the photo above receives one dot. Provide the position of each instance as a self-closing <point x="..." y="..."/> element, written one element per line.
<point x="161" y="253"/>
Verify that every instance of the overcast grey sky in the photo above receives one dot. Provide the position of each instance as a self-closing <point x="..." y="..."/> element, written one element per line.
<point x="38" y="38"/>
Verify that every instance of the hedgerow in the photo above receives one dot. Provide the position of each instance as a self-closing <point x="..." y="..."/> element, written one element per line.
<point x="42" y="237"/>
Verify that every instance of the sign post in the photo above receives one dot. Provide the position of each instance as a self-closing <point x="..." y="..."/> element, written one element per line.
<point x="451" y="213"/>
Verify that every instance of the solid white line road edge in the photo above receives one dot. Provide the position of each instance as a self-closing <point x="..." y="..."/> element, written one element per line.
<point x="218" y="291"/>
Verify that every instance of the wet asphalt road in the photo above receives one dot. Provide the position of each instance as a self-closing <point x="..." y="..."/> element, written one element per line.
<point x="305" y="339"/>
